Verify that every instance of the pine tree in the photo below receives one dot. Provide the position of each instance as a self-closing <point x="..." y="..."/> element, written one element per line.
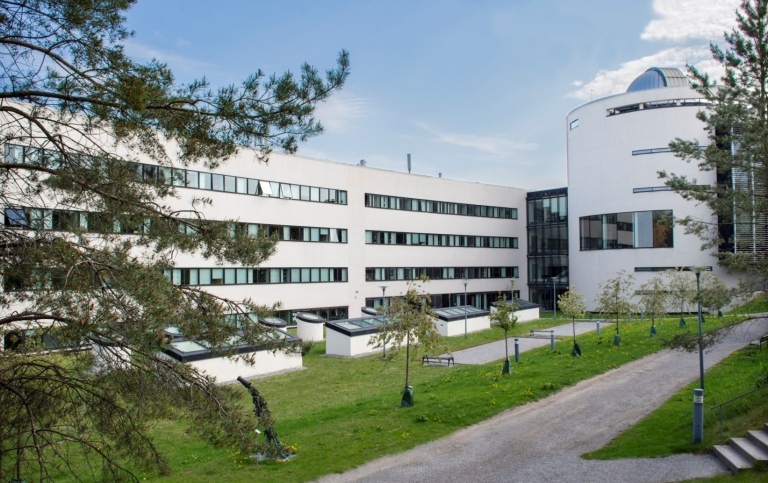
<point x="75" y="113"/>
<point x="736" y="123"/>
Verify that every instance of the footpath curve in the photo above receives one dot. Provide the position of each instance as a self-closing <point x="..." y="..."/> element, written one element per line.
<point x="543" y="441"/>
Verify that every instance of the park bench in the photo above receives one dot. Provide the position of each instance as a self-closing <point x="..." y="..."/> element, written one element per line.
<point x="759" y="342"/>
<point x="439" y="360"/>
<point x="545" y="334"/>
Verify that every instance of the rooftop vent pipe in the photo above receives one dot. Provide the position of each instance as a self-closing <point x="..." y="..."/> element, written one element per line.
<point x="362" y="162"/>
<point x="409" y="162"/>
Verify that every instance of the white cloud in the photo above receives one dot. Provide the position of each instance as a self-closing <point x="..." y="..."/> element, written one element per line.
<point x="577" y="83"/>
<point x="691" y="19"/>
<point x="490" y="144"/>
<point x="686" y="22"/>
<point x="340" y="111"/>
<point x="616" y="81"/>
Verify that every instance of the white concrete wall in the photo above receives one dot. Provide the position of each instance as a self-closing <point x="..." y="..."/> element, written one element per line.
<point x="338" y="344"/>
<point x="456" y="327"/>
<point x="226" y="369"/>
<point x="527" y="315"/>
<point x="309" y="330"/>
<point x="602" y="173"/>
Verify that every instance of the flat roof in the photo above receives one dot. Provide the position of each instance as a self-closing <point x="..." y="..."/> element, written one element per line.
<point x="357" y="326"/>
<point x="450" y="314"/>
<point x="186" y="350"/>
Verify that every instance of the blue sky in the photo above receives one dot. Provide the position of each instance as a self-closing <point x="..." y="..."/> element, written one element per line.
<point x="476" y="90"/>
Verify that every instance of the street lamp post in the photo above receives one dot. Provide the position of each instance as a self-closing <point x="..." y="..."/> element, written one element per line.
<point x="697" y="271"/>
<point x="698" y="394"/>
<point x="383" y="310"/>
<point x="465" y="307"/>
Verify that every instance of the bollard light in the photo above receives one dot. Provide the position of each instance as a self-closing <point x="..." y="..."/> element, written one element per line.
<point x="552" y="340"/>
<point x="698" y="415"/>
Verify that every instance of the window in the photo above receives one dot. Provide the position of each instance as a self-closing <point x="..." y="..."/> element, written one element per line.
<point x="14" y="154"/>
<point x="641" y="229"/>
<point x="230" y="185"/>
<point x="217" y="182"/>
<point x="16" y="218"/>
<point x="253" y="187"/>
<point x="266" y="188"/>
<point x="205" y="181"/>
<point x="574" y="124"/>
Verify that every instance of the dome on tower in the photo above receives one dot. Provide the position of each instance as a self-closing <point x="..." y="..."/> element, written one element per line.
<point x="657" y="77"/>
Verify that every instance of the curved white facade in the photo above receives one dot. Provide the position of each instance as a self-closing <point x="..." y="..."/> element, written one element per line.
<point x="611" y="171"/>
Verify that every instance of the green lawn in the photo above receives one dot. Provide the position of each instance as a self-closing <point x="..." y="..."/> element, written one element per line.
<point x="341" y="412"/>
<point x="668" y="429"/>
<point x="757" y="305"/>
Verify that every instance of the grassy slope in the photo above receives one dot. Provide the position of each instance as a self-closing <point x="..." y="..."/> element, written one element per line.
<point x="668" y="429"/>
<point x="340" y="413"/>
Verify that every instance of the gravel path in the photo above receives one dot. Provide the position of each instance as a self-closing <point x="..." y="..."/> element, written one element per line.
<point x="543" y="441"/>
<point x="494" y="351"/>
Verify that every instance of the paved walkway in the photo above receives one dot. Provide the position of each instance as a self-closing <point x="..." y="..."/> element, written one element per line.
<point x="543" y="441"/>
<point x="494" y="351"/>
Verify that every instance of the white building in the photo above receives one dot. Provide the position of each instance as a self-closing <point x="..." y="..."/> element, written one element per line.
<point x="616" y="201"/>
<point x="348" y="230"/>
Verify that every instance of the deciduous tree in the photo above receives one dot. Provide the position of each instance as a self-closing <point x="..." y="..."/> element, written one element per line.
<point x="654" y="298"/>
<point x="504" y="317"/>
<point x="682" y="290"/>
<point x="615" y="299"/>
<point x="411" y="322"/>
<point x="572" y="304"/>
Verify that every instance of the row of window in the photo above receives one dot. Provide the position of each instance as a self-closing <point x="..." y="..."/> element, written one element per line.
<point x="284" y="232"/>
<point x="640" y="229"/>
<point x="248" y="276"/>
<point x="439" y="273"/>
<point x="429" y="239"/>
<point x="443" y="207"/>
<point x="480" y="300"/>
<point x="68" y="220"/>
<point x="655" y="105"/>
<point x="664" y="269"/>
<point x="651" y="189"/>
<point x="658" y="150"/>
<point x="186" y="178"/>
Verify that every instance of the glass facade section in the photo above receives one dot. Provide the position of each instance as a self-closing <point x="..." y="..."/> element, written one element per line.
<point x="548" y="245"/>
<point x="639" y="229"/>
